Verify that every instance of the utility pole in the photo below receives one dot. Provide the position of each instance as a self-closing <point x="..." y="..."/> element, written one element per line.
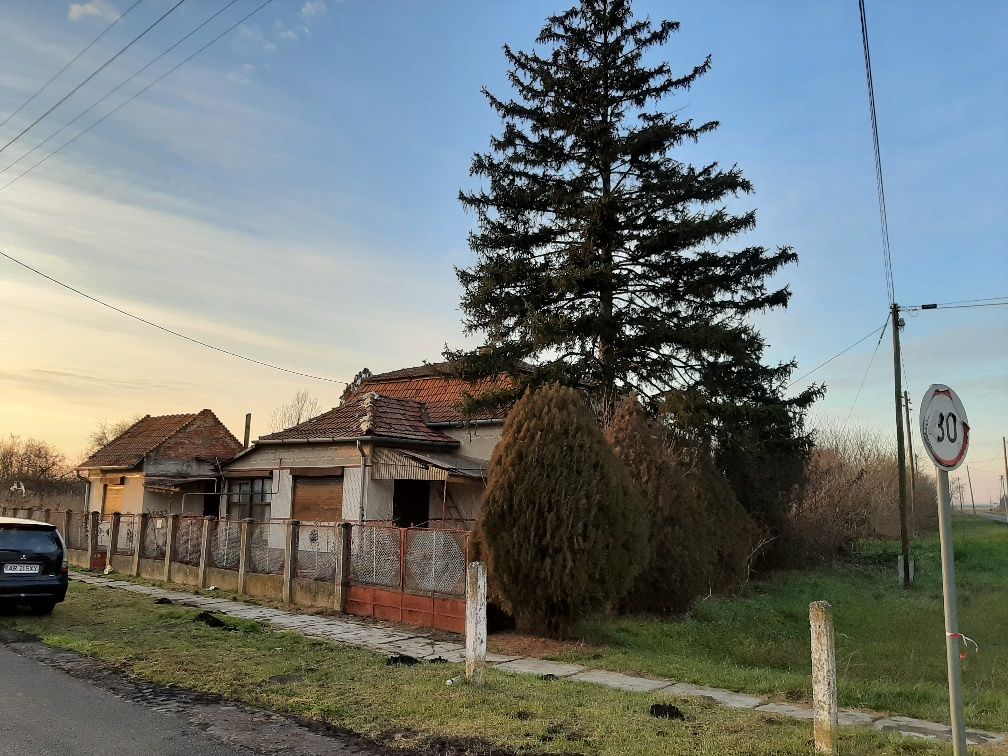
<point x="1004" y="449"/>
<point x="913" y="463"/>
<point x="970" y="480"/>
<point x="900" y="452"/>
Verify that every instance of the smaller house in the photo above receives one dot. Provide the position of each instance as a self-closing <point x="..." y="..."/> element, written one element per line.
<point x="168" y="464"/>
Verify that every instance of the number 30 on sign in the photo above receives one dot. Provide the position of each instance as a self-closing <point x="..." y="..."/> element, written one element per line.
<point x="944" y="427"/>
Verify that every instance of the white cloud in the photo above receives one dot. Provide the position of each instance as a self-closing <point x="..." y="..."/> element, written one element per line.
<point x="313" y="8"/>
<point x="100" y="8"/>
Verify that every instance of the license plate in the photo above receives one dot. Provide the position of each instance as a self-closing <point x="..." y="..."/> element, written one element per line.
<point x="21" y="569"/>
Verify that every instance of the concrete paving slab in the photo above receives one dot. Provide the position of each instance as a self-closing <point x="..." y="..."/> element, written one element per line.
<point x="856" y="717"/>
<point x="620" y="681"/>
<point x="532" y="666"/>
<point x="724" y="697"/>
<point x="787" y="710"/>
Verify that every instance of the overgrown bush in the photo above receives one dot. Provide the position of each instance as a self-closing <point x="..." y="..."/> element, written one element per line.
<point x="701" y="537"/>
<point x="562" y="529"/>
<point x="850" y="493"/>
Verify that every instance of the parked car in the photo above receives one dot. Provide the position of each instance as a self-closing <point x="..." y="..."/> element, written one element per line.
<point x="33" y="564"/>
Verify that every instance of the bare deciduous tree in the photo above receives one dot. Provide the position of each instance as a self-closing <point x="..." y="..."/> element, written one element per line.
<point x="37" y="465"/>
<point x="106" y="430"/>
<point x="301" y="407"/>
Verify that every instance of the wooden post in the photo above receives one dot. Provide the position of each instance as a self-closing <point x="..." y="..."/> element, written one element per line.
<point x="476" y="622"/>
<point x="139" y="529"/>
<point x="169" y="552"/>
<point x="824" y="683"/>
<point x="343" y="565"/>
<point x="243" y="553"/>
<point x="94" y="520"/>
<point x="204" y="557"/>
<point x="112" y="539"/>
<point x="290" y="560"/>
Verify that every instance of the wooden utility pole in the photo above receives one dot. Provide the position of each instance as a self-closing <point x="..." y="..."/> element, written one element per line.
<point x="913" y="462"/>
<point x="970" y="481"/>
<point x="900" y="452"/>
<point x="1004" y="449"/>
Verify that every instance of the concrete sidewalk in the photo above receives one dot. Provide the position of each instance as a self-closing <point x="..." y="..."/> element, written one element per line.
<point x="391" y="639"/>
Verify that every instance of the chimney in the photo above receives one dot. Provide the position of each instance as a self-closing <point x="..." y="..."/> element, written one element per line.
<point x="248" y="428"/>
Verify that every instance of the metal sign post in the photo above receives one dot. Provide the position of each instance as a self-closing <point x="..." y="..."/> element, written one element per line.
<point x="945" y="431"/>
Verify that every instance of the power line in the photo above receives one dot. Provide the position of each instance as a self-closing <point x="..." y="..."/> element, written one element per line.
<point x="865" y="376"/>
<point x="879" y="184"/>
<point x="132" y="97"/>
<point x="94" y="73"/>
<point x="55" y="76"/>
<point x="166" y="329"/>
<point x="113" y="91"/>
<point x="838" y="354"/>
<point x="956" y="306"/>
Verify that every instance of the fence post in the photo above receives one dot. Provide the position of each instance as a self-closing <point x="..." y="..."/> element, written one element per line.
<point x="67" y="522"/>
<point x="290" y="560"/>
<point x="93" y="521"/>
<point x="204" y="557"/>
<point x="47" y="514"/>
<point x="112" y="539"/>
<point x="173" y="520"/>
<point x="343" y="565"/>
<point x="476" y="622"/>
<point x="139" y="530"/>
<point x="824" y="683"/>
<point x="243" y="554"/>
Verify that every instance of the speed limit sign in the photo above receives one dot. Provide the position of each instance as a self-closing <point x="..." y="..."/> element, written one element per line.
<point x="944" y="427"/>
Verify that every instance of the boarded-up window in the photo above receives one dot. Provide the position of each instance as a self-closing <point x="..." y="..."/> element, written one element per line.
<point x="318" y="499"/>
<point x="113" y="499"/>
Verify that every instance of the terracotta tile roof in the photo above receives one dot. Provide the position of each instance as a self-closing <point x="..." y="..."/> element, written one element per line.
<point x="444" y="394"/>
<point x="370" y="414"/>
<point x="128" y="449"/>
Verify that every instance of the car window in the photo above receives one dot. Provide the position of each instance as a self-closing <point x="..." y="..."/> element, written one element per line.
<point x="26" y="539"/>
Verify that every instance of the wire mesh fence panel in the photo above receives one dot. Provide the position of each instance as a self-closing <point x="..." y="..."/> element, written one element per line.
<point x="375" y="554"/>
<point x="318" y="551"/>
<point x="435" y="561"/>
<point x="225" y="544"/>
<point x="126" y="540"/>
<point x="76" y="535"/>
<point x="188" y="540"/>
<point x="266" y="547"/>
<point x="155" y="538"/>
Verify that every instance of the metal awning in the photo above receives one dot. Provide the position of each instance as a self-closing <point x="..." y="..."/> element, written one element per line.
<point x="409" y="464"/>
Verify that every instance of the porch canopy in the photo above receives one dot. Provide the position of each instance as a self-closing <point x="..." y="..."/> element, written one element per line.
<point x="411" y="464"/>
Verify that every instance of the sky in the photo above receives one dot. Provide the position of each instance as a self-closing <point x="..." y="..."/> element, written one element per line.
<point x="291" y="194"/>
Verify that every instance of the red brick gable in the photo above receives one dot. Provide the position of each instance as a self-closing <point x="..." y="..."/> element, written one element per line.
<point x="205" y="437"/>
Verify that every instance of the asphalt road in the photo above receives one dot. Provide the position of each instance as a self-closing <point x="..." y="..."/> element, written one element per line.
<point x="46" y="711"/>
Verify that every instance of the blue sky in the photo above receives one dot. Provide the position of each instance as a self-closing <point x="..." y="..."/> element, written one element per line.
<point x="291" y="194"/>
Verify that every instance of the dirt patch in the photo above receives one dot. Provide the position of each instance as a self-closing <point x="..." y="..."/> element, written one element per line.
<point x="518" y="644"/>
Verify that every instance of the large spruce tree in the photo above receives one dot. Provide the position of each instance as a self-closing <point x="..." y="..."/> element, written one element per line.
<point x="602" y="258"/>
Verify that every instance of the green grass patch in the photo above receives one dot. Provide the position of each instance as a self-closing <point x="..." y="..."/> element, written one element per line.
<point x="410" y="706"/>
<point x="890" y="642"/>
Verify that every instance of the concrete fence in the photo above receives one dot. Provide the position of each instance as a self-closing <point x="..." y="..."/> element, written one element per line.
<point x="311" y="564"/>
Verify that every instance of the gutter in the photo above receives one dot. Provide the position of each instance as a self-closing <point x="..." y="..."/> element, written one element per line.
<point x="377" y="440"/>
<point x="466" y="423"/>
<point x="363" y="479"/>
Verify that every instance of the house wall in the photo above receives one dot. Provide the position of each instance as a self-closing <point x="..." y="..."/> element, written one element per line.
<point x="476" y="441"/>
<point x="466" y="495"/>
<point x="133" y="490"/>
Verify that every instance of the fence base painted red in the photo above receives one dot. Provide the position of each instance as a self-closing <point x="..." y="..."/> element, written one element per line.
<point x="396" y="606"/>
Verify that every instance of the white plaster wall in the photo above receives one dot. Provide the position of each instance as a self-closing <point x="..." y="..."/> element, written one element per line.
<point x="476" y="441"/>
<point x="378" y="503"/>
<point x="281" y="503"/>
<point x="306" y="455"/>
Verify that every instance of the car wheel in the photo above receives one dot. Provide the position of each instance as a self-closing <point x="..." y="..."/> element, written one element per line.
<point x="43" y="607"/>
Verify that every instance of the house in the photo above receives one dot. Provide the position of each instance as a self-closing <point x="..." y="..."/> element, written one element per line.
<point x="423" y="460"/>
<point x="164" y="464"/>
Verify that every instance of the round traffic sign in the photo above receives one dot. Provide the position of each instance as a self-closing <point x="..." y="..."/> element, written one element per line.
<point x="944" y="427"/>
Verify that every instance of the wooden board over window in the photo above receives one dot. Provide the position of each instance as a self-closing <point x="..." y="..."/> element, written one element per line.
<point x="113" y="499"/>
<point x="318" y="499"/>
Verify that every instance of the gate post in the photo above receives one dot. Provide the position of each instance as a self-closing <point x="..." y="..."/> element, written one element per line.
<point x="173" y="520"/>
<point x="824" y="683"/>
<point x="204" y="557"/>
<point x="476" y="622"/>
<point x="343" y="565"/>
<point x="139" y="529"/>
<point x="290" y="559"/>
<point x="243" y="554"/>
<point x="112" y="539"/>
<point x="93" y="521"/>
